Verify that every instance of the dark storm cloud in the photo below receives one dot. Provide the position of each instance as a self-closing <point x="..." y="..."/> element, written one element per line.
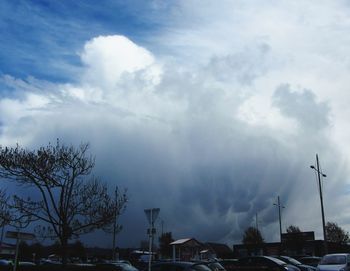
<point x="210" y="186"/>
<point x="303" y="107"/>
<point x="244" y="65"/>
<point x="173" y="138"/>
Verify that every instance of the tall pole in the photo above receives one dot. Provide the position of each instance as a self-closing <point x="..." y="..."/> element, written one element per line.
<point x="321" y="200"/>
<point x="150" y="242"/>
<point x="115" y="226"/>
<point x="279" y="215"/>
<point x="256" y="222"/>
<point x="17" y="251"/>
<point x="162" y="227"/>
<point x="152" y="215"/>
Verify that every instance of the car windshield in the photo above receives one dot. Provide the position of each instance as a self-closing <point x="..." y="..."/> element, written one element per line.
<point x="291" y="260"/>
<point x="333" y="259"/>
<point x="127" y="267"/>
<point x="278" y="261"/>
<point x="216" y="266"/>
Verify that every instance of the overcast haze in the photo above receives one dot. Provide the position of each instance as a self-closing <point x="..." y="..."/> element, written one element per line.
<point x="206" y="109"/>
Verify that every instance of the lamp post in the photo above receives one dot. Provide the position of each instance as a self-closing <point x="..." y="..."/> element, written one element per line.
<point x="278" y="204"/>
<point x="319" y="173"/>
<point x="115" y="227"/>
<point x="151" y="215"/>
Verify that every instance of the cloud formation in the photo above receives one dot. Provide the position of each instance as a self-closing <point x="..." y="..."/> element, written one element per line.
<point x="213" y="128"/>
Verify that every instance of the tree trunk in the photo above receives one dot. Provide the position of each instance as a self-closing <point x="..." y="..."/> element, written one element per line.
<point x="64" y="247"/>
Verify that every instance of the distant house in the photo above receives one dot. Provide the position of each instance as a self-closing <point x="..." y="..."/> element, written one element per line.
<point x="186" y="249"/>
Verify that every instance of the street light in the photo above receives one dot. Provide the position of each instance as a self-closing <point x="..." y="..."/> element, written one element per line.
<point x="323" y="175"/>
<point x="319" y="173"/>
<point x="278" y="204"/>
<point x="152" y="215"/>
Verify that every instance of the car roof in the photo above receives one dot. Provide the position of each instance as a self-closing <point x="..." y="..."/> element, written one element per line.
<point x="337" y="254"/>
<point x="178" y="263"/>
<point x="275" y="260"/>
<point x="268" y="258"/>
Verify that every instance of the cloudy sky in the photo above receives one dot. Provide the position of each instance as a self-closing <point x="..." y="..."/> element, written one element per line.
<point x="206" y="109"/>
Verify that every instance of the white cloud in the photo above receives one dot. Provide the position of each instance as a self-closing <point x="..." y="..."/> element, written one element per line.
<point x="13" y="110"/>
<point x="108" y="58"/>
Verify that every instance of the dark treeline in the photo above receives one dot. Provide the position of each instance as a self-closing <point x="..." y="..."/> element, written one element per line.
<point x="37" y="251"/>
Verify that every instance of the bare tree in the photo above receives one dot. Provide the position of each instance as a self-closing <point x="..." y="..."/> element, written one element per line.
<point x="336" y="234"/>
<point x="5" y="213"/>
<point x="71" y="201"/>
<point x="164" y="244"/>
<point x="252" y="236"/>
<point x="115" y="228"/>
<point x="293" y="229"/>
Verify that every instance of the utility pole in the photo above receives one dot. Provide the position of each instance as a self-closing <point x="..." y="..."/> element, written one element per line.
<point x="162" y="227"/>
<point x="19" y="236"/>
<point x="115" y="226"/>
<point x="151" y="215"/>
<point x="279" y="215"/>
<point x="319" y="173"/>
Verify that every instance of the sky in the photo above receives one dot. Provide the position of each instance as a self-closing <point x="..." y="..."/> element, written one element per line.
<point x="208" y="110"/>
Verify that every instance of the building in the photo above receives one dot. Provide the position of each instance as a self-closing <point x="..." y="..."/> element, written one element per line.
<point x="186" y="249"/>
<point x="293" y="244"/>
<point x="216" y="250"/>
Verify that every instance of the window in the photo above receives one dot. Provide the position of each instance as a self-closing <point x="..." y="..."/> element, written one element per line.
<point x="333" y="259"/>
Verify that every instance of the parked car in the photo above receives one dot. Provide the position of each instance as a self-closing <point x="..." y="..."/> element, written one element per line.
<point x="5" y="262"/>
<point x="310" y="260"/>
<point x="335" y="262"/>
<point x="49" y="262"/>
<point x="265" y="263"/>
<point x="26" y="264"/>
<point x="115" y="266"/>
<point x="229" y="264"/>
<point x="213" y="265"/>
<point x="179" y="266"/>
<point x="291" y="261"/>
<point x="121" y="261"/>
